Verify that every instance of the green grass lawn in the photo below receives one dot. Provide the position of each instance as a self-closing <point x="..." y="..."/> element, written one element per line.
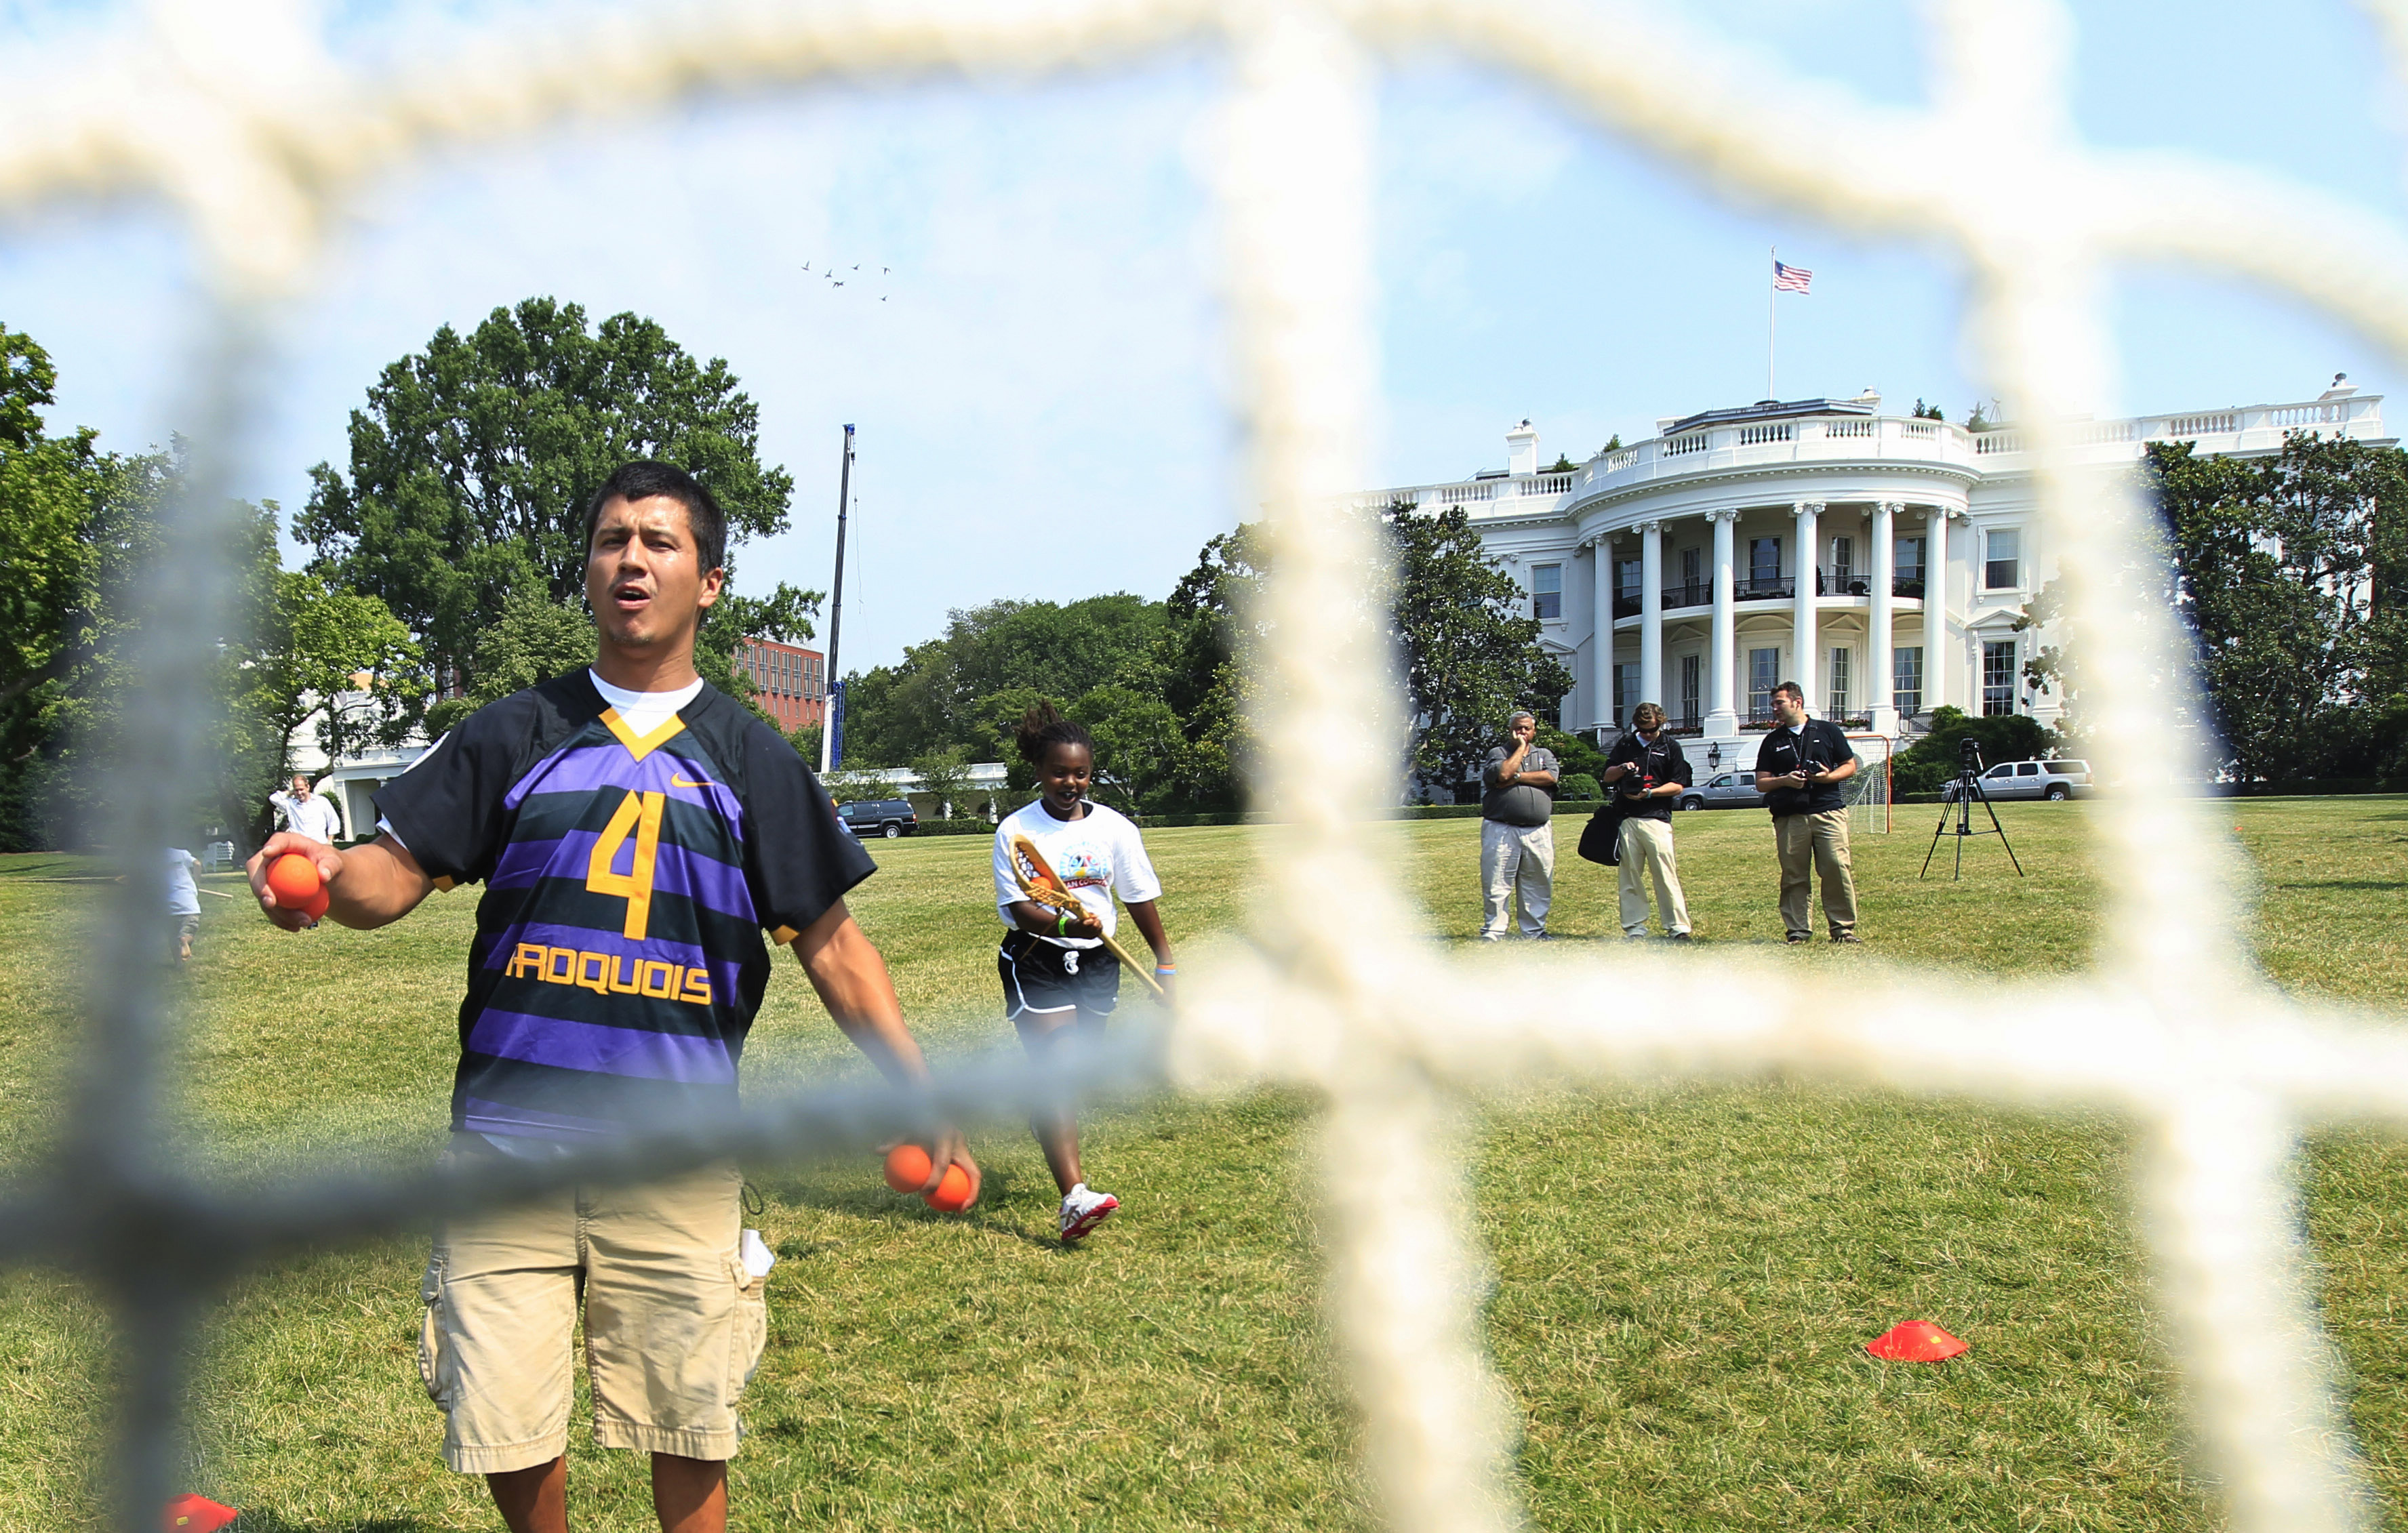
<point x="1684" y="1277"/>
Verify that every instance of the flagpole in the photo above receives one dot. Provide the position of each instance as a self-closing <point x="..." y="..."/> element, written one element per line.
<point x="1772" y="320"/>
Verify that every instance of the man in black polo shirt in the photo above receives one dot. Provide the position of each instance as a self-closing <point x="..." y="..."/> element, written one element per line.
<point x="1652" y="769"/>
<point x="1798" y="771"/>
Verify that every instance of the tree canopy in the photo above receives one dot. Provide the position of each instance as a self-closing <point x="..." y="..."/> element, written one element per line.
<point x="79" y="531"/>
<point x="934" y="699"/>
<point x="473" y="461"/>
<point x="1166" y="688"/>
<point x="2291" y="573"/>
<point x="1469" y="645"/>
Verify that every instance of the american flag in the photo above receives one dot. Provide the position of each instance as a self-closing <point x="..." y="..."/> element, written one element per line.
<point x="1786" y="279"/>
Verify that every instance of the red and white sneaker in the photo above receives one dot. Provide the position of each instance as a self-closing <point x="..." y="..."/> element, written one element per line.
<point x="1083" y="1209"/>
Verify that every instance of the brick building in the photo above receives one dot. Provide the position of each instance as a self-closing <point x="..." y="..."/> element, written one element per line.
<point x="792" y="680"/>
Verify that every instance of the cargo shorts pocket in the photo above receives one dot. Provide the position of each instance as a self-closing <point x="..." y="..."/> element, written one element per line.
<point x="434" y="1368"/>
<point x="752" y="1326"/>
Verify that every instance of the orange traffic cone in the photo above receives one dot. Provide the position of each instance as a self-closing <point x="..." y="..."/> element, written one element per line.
<point x="198" y="1514"/>
<point x="1915" y="1341"/>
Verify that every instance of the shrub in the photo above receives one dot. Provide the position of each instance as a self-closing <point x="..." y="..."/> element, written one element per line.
<point x="1581" y="788"/>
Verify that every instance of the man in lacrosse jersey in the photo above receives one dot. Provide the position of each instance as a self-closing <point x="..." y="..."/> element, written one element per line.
<point x="636" y="833"/>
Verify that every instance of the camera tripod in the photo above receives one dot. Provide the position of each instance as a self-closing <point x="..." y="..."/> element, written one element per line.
<point x="1968" y="789"/>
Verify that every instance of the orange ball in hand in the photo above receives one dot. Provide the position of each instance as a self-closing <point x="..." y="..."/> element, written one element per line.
<point x="953" y="1195"/>
<point x="317" y="903"/>
<point x="292" y="879"/>
<point x="907" y="1168"/>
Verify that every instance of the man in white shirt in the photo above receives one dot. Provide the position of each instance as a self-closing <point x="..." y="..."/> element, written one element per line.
<point x="305" y="812"/>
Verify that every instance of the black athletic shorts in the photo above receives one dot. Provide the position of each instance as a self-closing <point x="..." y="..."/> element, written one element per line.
<point x="1037" y="976"/>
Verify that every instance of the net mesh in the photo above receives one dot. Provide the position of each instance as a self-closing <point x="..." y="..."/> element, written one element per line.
<point x="1870" y="792"/>
<point x="242" y="120"/>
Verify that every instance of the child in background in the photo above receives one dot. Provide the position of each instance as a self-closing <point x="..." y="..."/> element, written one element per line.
<point x="1057" y="972"/>
<point x="183" y="900"/>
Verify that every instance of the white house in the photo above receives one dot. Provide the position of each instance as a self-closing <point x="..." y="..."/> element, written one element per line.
<point x="1670" y="570"/>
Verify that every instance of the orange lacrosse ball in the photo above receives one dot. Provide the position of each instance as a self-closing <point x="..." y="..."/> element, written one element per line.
<point x="293" y="879"/>
<point x="907" y="1168"/>
<point x="317" y="903"/>
<point x="953" y="1195"/>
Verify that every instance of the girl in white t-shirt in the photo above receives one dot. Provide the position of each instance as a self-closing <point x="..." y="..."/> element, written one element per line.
<point x="1057" y="974"/>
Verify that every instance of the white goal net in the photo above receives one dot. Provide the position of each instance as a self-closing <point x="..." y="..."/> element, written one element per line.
<point x="238" y="118"/>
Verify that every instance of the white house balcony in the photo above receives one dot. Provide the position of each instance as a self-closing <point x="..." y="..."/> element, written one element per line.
<point x="1831" y="591"/>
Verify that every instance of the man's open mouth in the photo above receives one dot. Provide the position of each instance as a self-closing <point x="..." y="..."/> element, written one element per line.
<point x="630" y="596"/>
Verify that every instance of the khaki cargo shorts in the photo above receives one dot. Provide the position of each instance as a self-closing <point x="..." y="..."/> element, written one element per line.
<point x="674" y="1325"/>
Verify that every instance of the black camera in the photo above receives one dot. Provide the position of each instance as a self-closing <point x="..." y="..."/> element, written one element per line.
<point x="1968" y="756"/>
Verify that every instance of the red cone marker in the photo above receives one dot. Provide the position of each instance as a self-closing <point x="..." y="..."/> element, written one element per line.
<point x="198" y="1514"/>
<point x="1915" y="1341"/>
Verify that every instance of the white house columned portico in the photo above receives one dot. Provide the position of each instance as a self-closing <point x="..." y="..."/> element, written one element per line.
<point x="1811" y="541"/>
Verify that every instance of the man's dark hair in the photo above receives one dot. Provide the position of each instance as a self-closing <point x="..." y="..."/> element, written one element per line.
<point x="645" y="479"/>
<point x="1794" y="690"/>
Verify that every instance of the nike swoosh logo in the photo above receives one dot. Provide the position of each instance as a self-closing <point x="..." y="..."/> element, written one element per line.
<point x="676" y="781"/>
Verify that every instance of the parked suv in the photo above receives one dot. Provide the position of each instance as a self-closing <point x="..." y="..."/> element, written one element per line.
<point x="887" y="817"/>
<point x="1724" y="791"/>
<point x="2031" y="780"/>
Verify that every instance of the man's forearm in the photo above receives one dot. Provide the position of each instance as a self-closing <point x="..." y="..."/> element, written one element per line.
<point x="380" y="883"/>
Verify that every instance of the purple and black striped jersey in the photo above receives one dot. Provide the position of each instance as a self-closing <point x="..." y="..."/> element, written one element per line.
<point x="618" y="958"/>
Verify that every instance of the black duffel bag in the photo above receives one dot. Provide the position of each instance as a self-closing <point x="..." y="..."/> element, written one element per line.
<point x="1601" y="839"/>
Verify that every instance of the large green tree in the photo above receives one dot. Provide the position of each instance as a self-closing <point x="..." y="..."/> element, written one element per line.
<point x="47" y="489"/>
<point x="2290" y="571"/>
<point x="473" y="461"/>
<point x="332" y="657"/>
<point x="1459" y="625"/>
<point x="1470" y="646"/>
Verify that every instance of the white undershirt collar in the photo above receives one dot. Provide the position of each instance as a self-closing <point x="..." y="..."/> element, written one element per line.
<point x="640" y="711"/>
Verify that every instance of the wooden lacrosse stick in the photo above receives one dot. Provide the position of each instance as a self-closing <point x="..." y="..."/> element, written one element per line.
<point x="1043" y="886"/>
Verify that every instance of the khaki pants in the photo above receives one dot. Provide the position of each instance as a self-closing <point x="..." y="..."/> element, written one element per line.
<point x="674" y="1325"/>
<point x="1516" y="860"/>
<point x="1820" y="841"/>
<point x="1647" y="851"/>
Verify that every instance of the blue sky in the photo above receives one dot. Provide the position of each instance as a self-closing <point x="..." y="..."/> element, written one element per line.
<point x="1042" y="396"/>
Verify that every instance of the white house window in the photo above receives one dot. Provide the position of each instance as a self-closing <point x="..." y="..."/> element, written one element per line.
<point x="1763" y="675"/>
<point x="1626" y="691"/>
<point x="1906" y="680"/>
<point x="2002" y="560"/>
<point x="1836" y="700"/>
<point x="1763" y="560"/>
<point x="1547" y="592"/>
<point x="1998" y="677"/>
<point x="1692" y="672"/>
<point x="1843" y="564"/>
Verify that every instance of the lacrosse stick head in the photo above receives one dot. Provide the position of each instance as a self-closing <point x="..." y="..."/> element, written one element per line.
<point x="1034" y="868"/>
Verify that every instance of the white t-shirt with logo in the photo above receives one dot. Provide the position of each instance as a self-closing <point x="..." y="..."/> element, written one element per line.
<point x="1094" y="854"/>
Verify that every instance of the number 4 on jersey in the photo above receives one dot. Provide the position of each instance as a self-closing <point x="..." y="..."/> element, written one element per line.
<point x="638" y="814"/>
